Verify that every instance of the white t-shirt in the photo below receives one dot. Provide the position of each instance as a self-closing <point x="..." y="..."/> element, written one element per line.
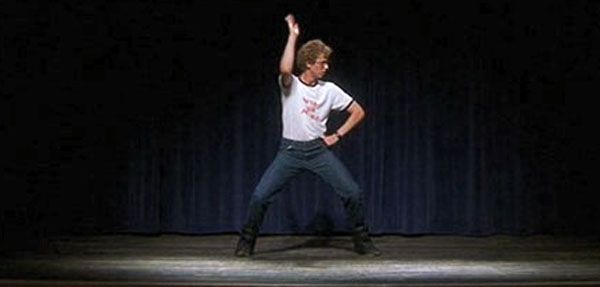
<point x="305" y="110"/>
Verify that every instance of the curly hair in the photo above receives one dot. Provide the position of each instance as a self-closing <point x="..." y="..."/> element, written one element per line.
<point x="310" y="51"/>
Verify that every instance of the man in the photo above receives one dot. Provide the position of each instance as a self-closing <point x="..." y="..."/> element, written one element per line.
<point x="307" y="101"/>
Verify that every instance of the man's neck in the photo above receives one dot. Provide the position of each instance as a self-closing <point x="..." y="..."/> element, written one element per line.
<point x="308" y="79"/>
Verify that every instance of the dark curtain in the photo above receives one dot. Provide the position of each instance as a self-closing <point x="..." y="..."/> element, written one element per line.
<point x="161" y="118"/>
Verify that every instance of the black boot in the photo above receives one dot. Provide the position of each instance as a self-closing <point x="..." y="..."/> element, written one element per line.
<point x="245" y="245"/>
<point x="362" y="242"/>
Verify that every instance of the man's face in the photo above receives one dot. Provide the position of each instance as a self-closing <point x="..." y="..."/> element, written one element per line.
<point x="320" y="67"/>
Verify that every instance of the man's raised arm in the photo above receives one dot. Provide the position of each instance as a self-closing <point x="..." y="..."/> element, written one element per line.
<point x="286" y="66"/>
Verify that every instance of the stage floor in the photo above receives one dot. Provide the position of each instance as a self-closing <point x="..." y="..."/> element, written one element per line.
<point x="207" y="260"/>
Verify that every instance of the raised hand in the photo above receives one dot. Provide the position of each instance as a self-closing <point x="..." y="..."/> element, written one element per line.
<point x="292" y="24"/>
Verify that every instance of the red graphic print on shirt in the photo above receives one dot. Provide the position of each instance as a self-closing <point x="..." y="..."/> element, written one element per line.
<point x="310" y="109"/>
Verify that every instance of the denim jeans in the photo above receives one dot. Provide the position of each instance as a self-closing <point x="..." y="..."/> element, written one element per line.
<point x="293" y="158"/>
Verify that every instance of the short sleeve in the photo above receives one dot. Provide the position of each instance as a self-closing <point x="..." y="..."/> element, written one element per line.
<point x="340" y="99"/>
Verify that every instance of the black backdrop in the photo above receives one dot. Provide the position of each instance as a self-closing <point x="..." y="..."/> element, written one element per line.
<point x="160" y="116"/>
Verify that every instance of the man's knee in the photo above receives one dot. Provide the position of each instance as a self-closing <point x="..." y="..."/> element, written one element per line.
<point x="351" y="190"/>
<point x="352" y="194"/>
<point x="259" y="198"/>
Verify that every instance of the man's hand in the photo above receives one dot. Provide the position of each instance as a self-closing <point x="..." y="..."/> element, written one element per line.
<point x="330" y="139"/>
<point x="292" y="24"/>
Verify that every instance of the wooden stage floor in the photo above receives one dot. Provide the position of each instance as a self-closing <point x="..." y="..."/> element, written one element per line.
<point x="207" y="260"/>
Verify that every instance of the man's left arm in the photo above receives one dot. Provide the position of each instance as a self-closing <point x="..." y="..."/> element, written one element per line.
<point x="357" y="114"/>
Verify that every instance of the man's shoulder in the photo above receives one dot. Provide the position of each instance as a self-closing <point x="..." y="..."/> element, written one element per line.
<point x="327" y="83"/>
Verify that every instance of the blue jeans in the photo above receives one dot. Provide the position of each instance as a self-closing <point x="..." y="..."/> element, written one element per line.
<point x="293" y="158"/>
